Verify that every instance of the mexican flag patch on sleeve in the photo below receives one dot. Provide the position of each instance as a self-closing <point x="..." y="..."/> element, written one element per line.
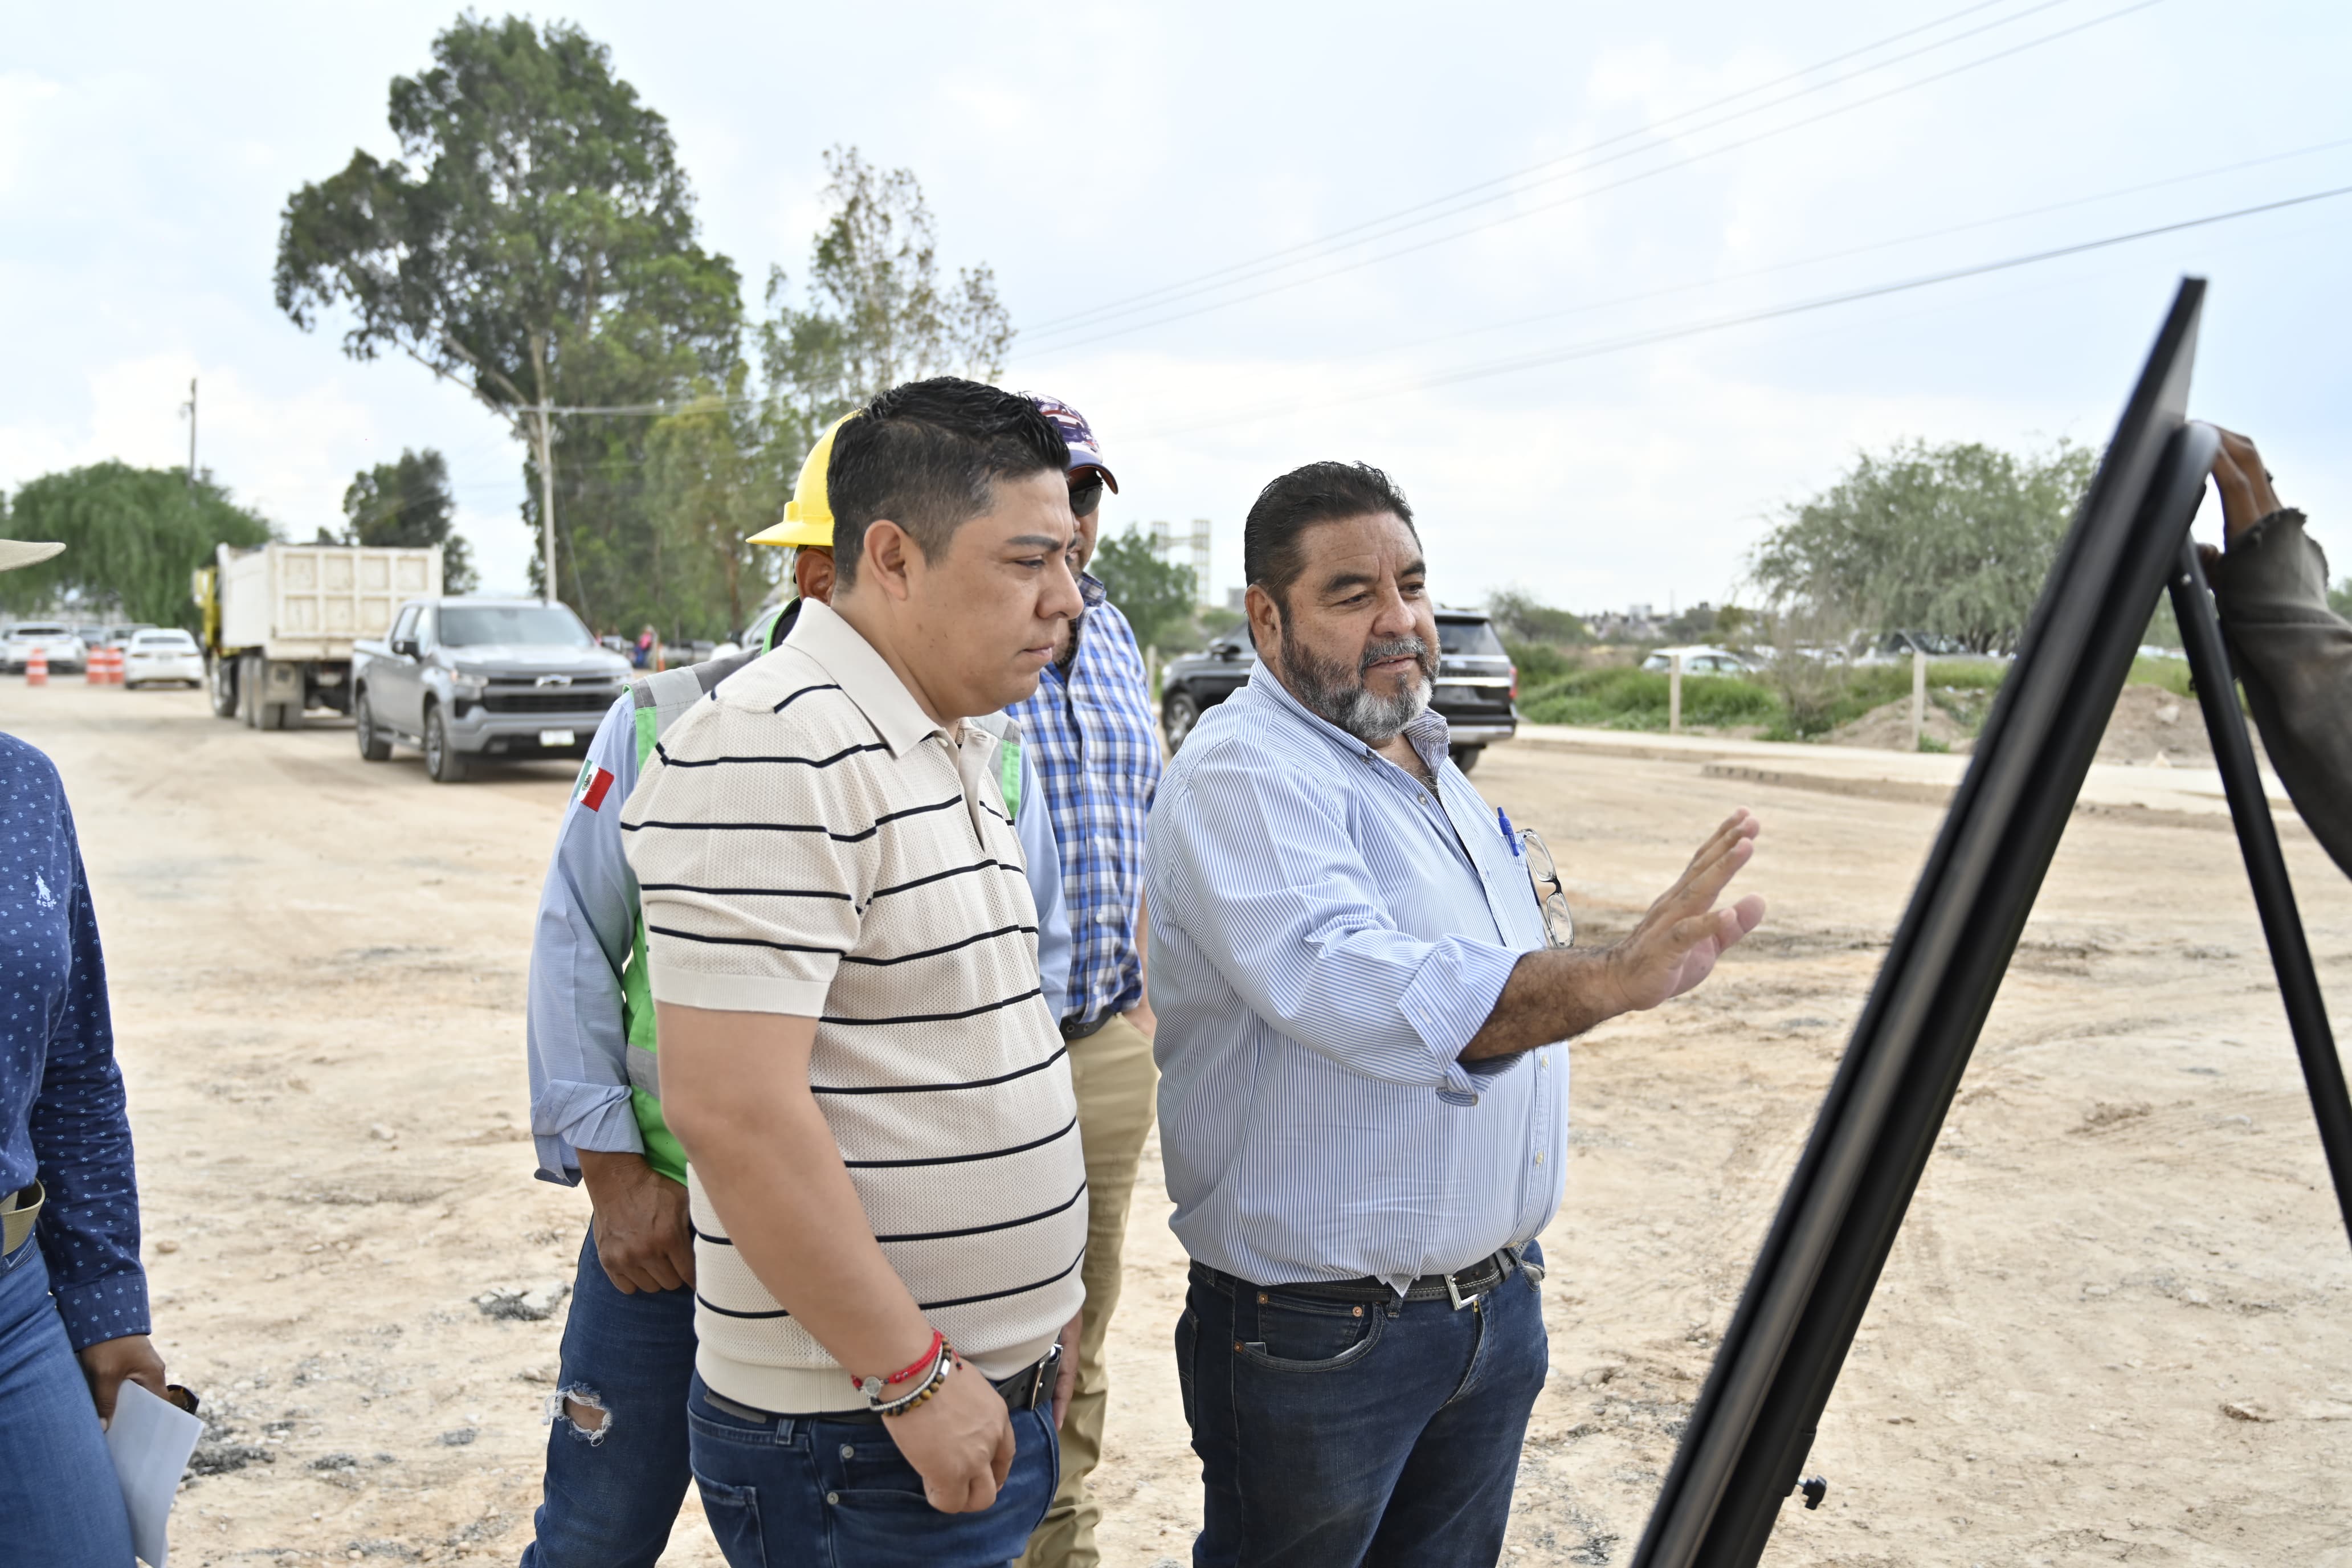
<point x="594" y="783"/>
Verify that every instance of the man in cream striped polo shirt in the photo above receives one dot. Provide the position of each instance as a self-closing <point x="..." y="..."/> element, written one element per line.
<point x="887" y="1182"/>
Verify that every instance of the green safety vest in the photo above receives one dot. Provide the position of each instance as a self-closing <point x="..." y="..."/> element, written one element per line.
<point x="662" y="700"/>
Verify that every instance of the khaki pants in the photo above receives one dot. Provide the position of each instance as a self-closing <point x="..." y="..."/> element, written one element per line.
<point x="1118" y="1086"/>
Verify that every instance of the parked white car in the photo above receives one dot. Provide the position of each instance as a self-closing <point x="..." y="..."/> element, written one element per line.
<point x="66" y="651"/>
<point x="1699" y="660"/>
<point x="164" y="653"/>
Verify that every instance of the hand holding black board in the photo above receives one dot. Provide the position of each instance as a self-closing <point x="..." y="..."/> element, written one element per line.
<point x="1748" y="1433"/>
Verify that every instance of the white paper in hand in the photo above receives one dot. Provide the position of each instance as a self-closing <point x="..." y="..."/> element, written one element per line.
<point x="151" y="1440"/>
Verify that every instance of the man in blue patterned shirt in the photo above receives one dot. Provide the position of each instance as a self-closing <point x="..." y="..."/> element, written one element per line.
<point x="1365" y="1106"/>
<point x="1096" y="752"/>
<point x="73" y="1298"/>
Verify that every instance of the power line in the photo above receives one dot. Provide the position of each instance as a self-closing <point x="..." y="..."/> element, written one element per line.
<point x="1591" y="192"/>
<point x="1850" y="251"/>
<point x="1594" y="348"/>
<point x="1337" y="235"/>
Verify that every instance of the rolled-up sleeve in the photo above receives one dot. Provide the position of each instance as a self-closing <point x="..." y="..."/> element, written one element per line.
<point x="2294" y="654"/>
<point x="1259" y="868"/>
<point x="578" y="1041"/>
<point x="81" y="1137"/>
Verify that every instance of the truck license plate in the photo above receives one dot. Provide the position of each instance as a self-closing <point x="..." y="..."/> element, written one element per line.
<point x="555" y="737"/>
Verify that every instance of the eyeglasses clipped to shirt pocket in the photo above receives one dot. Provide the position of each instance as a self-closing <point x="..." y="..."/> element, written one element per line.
<point x="1298" y="1333"/>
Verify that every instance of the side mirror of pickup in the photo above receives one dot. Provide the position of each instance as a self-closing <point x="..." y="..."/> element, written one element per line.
<point x="405" y="646"/>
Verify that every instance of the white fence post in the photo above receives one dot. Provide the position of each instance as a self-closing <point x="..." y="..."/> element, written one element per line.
<point x="1918" y="697"/>
<point x="1674" y="694"/>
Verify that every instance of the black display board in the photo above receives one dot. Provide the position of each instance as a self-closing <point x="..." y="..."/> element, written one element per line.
<point x="1750" y="1432"/>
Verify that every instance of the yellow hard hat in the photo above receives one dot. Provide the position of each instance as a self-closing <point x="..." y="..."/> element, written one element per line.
<point x="808" y="516"/>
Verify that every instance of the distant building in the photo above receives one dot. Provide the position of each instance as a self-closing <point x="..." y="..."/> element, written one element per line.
<point x="1167" y="543"/>
<point x="1237" y="599"/>
<point x="1635" y="623"/>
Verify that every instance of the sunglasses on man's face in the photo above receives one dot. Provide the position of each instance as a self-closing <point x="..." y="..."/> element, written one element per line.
<point x="1086" y="495"/>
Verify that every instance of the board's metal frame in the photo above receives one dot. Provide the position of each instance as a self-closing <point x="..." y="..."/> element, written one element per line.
<point x="1748" y="1434"/>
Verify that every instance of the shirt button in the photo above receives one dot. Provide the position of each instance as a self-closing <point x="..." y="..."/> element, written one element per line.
<point x="1538" y="1156"/>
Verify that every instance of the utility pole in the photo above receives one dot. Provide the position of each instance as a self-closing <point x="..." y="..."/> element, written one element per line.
<point x="546" y="505"/>
<point x="189" y="410"/>
<point x="544" y="414"/>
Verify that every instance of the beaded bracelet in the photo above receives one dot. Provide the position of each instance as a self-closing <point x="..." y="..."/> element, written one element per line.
<point x="947" y="1363"/>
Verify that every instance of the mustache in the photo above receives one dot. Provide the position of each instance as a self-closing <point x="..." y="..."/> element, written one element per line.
<point x="1414" y="649"/>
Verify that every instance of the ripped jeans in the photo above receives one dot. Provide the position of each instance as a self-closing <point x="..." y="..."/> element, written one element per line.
<point x="611" y="1495"/>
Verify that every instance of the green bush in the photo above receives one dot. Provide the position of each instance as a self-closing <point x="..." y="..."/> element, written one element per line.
<point x="1623" y="698"/>
<point x="1964" y="688"/>
<point x="1538" y="662"/>
<point x="2172" y="674"/>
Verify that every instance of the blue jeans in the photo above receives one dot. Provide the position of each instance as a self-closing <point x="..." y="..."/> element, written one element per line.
<point x="611" y="1496"/>
<point x="59" y="1503"/>
<point x="1333" y="1434"/>
<point x="801" y="1492"/>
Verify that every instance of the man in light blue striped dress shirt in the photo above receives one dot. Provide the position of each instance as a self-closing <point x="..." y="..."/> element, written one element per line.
<point x="1363" y="1105"/>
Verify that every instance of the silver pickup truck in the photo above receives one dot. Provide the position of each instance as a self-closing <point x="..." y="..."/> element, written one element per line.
<point x="466" y="680"/>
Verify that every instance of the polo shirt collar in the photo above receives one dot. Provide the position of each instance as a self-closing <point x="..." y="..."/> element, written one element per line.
<point x="863" y="676"/>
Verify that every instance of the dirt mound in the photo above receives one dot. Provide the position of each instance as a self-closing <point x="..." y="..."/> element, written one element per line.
<point x="1887" y="728"/>
<point x="2150" y="727"/>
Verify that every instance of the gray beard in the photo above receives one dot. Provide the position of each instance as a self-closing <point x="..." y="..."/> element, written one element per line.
<point x="1338" y="695"/>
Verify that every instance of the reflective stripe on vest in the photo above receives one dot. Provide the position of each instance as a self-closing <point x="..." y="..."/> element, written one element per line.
<point x="1007" y="731"/>
<point x="662" y="700"/>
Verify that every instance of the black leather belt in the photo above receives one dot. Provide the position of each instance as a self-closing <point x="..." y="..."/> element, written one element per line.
<point x="1025" y="1390"/>
<point x="1074" y="1030"/>
<point x="1461" y="1286"/>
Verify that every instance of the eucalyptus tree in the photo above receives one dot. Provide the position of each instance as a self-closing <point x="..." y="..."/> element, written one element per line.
<point x="408" y="503"/>
<point x="535" y="242"/>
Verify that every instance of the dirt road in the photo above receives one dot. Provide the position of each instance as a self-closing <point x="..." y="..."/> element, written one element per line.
<point x="2118" y="1325"/>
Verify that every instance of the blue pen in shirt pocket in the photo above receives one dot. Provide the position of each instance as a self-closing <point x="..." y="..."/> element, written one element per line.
<point x="1510" y="838"/>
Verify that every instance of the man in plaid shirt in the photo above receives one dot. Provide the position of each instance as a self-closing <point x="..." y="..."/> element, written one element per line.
<point x="1095" y="746"/>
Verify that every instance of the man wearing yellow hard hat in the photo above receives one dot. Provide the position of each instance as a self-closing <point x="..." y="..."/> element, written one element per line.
<point x="617" y="1454"/>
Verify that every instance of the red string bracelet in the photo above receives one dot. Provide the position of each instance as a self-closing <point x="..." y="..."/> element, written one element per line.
<point x="919" y="1364"/>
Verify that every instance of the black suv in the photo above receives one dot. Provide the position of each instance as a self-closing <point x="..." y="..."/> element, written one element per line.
<point x="1476" y="684"/>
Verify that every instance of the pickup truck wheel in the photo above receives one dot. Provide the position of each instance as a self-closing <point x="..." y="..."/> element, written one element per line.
<point x="1466" y="757"/>
<point x="1177" y="717"/>
<point x="443" y="762"/>
<point x="374" y="746"/>
<point x="220" y="679"/>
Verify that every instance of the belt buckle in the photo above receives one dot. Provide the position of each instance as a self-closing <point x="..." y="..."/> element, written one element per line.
<point x="1042" y="1388"/>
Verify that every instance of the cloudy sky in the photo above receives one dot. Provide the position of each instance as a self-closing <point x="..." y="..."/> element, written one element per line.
<point x="1244" y="237"/>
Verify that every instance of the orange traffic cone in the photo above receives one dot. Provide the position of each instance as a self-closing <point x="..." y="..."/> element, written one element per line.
<point x="37" y="666"/>
<point x="114" y="667"/>
<point x="93" y="667"/>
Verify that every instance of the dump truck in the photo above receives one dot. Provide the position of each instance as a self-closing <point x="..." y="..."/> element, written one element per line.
<point x="279" y="621"/>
